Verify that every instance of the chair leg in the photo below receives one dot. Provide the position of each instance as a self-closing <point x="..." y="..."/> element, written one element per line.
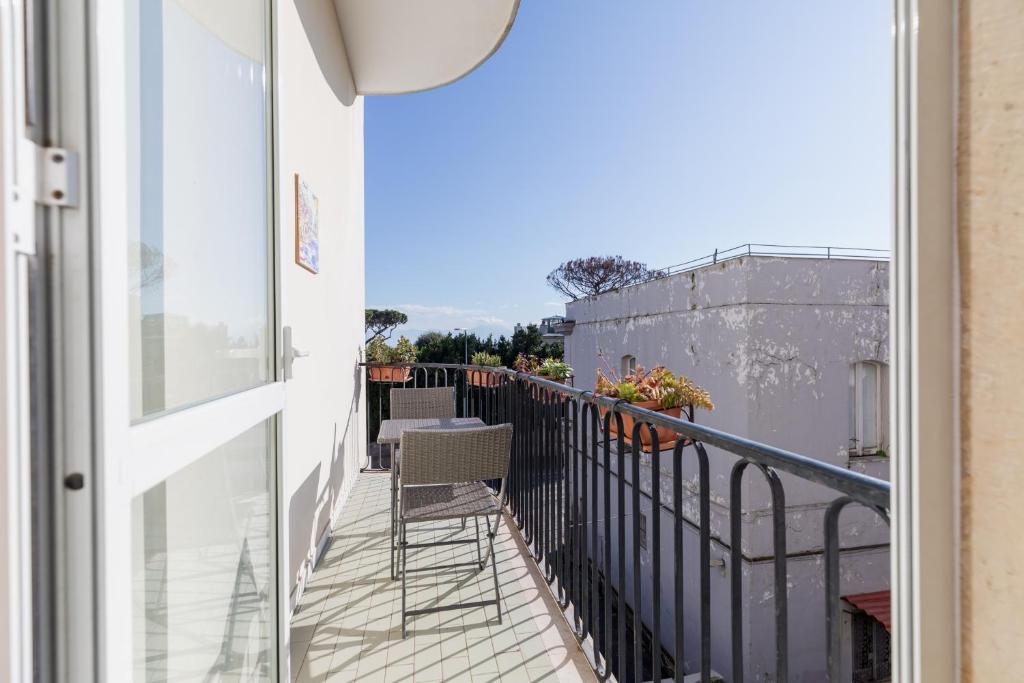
<point x="405" y="557"/>
<point x="494" y="566"/>
<point x="394" y="511"/>
<point x="392" y="532"/>
<point x="479" y="553"/>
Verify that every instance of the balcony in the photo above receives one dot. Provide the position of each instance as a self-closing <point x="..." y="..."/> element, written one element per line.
<point x="712" y="578"/>
<point x="348" y="626"/>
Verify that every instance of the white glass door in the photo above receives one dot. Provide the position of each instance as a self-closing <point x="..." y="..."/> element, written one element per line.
<point x="189" y="398"/>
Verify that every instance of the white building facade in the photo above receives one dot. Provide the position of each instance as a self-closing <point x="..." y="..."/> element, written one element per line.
<point x="794" y="352"/>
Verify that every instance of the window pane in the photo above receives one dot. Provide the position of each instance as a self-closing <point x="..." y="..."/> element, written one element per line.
<point x="854" y="436"/>
<point x="202" y="554"/>
<point x="868" y="404"/>
<point x="198" y="275"/>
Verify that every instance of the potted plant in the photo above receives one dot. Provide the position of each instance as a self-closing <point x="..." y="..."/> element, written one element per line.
<point x="555" y="370"/>
<point x="658" y="390"/>
<point x="386" y="360"/>
<point x="483" y="378"/>
<point x="527" y="363"/>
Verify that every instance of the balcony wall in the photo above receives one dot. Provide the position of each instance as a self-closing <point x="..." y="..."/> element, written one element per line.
<point x="320" y="131"/>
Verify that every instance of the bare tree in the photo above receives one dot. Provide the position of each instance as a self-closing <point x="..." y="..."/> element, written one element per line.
<point x="382" y="322"/>
<point x="584" y="277"/>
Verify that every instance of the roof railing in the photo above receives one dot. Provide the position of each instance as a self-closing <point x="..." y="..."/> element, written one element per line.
<point x="783" y="250"/>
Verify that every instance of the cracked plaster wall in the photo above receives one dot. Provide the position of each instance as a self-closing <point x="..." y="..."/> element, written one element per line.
<point x="772" y="339"/>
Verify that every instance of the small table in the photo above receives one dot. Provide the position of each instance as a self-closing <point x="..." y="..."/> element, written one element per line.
<point x="390" y="433"/>
<point x="391" y="430"/>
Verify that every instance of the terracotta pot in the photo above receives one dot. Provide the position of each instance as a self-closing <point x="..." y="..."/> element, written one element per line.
<point x="482" y="378"/>
<point x="388" y="373"/>
<point x="552" y="379"/>
<point x="666" y="437"/>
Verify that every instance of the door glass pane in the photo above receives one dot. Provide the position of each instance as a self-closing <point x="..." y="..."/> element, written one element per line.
<point x="869" y="404"/>
<point x="203" y="591"/>
<point x="198" y="246"/>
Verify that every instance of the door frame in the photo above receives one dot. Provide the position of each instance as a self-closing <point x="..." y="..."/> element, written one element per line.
<point x="925" y="337"/>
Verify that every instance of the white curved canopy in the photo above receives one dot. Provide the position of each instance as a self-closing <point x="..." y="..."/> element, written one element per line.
<point x="402" y="46"/>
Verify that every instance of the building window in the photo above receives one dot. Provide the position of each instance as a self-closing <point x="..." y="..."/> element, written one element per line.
<point x="628" y="364"/>
<point x="871" y="650"/>
<point x="869" y="392"/>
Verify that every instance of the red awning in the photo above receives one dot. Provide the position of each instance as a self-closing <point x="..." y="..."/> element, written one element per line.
<point x="877" y="604"/>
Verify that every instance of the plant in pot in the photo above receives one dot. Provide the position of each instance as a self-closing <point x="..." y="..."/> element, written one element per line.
<point x="526" y="363"/>
<point x="555" y="370"/>
<point x="389" y="364"/>
<point x="483" y="378"/>
<point x="658" y="390"/>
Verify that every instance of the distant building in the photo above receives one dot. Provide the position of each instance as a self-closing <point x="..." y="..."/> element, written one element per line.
<point x="794" y="352"/>
<point x="551" y="329"/>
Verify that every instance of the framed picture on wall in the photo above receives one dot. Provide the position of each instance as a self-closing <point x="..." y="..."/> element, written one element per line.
<point x="307" y="227"/>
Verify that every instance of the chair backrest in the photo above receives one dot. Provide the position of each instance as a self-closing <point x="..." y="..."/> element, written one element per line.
<point x="452" y="456"/>
<point x="419" y="404"/>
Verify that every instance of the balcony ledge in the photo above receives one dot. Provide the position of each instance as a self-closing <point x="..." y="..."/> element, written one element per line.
<point x="404" y="46"/>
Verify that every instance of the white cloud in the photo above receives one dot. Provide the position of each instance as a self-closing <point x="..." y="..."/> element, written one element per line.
<point x="424" y="317"/>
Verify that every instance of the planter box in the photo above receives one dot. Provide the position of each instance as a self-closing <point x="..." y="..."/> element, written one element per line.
<point x="666" y="437"/>
<point x="482" y="378"/>
<point x="388" y="373"/>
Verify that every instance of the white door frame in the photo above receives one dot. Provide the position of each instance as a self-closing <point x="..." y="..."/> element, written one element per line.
<point x="925" y="333"/>
<point x="17" y="206"/>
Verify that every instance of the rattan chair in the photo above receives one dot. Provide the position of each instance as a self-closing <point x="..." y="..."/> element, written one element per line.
<point x="414" y="404"/>
<point x="417" y="404"/>
<point x="443" y="475"/>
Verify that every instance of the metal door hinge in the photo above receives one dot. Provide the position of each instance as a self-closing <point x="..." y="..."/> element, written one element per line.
<point x="57" y="177"/>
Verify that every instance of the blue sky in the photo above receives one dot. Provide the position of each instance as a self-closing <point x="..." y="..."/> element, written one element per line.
<point x="658" y="130"/>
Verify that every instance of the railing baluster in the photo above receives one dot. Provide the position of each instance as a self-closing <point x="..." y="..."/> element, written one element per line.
<point x="781" y="585"/>
<point x="621" y="663"/>
<point x="606" y="627"/>
<point x="566" y="516"/>
<point x="555" y="473"/>
<point x="638" y="631"/>
<point x="542" y="433"/>
<point x="584" y="603"/>
<point x="655" y="546"/>
<point x="705" y="561"/>
<point x="592" y="562"/>
<point x="677" y="551"/>
<point x="736" y="567"/>
<point x="781" y="582"/>
<point x="832" y="606"/>
<point x="574" y="516"/>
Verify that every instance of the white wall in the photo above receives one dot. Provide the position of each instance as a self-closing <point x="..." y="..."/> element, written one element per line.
<point x="320" y="129"/>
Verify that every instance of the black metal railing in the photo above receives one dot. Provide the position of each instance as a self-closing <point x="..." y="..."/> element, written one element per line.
<point x="568" y="482"/>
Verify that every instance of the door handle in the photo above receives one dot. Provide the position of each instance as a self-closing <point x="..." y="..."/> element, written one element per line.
<point x="290" y="352"/>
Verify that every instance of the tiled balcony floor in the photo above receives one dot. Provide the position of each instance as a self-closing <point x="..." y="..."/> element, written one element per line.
<point x="348" y="624"/>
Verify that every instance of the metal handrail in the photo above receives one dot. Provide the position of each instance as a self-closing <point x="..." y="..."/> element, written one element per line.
<point x="561" y="486"/>
<point x="785" y="250"/>
<point x="861" y="487"/>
